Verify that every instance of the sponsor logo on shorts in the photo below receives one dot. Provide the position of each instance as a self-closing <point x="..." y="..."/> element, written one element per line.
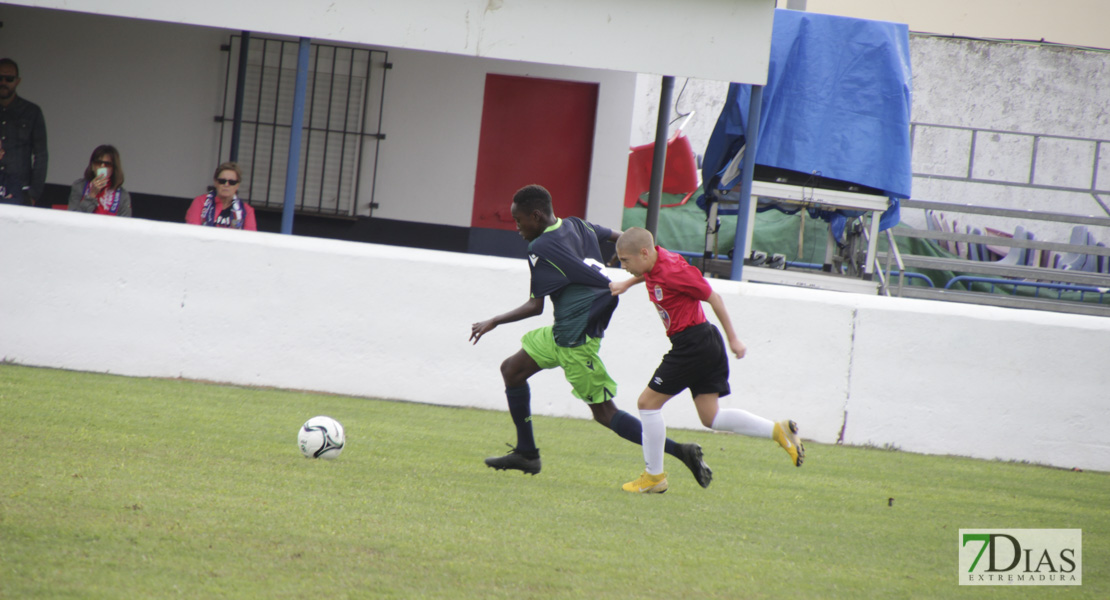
<point x="657" y="380"/>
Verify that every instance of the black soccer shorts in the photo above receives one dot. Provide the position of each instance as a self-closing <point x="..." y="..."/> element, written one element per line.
<point x="696" y="361"/>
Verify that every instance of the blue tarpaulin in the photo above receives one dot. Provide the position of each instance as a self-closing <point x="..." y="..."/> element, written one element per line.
<point x="836" y="105"/>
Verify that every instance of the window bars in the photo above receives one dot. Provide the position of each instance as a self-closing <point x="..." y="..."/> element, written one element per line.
<point x="342" y="124"/>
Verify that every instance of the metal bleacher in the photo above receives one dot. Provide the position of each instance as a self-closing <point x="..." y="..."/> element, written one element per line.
<point x="1006" y="276"/>
<point x="1072" y="277"/>
<point x="977" y="265"/>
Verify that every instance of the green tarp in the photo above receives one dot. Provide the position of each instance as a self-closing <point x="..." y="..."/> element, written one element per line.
<point x="682" y="228"/>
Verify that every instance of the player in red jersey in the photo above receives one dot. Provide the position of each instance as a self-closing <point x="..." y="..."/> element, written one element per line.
<point x="697" y="360"/>
<point x="564" y="259"/>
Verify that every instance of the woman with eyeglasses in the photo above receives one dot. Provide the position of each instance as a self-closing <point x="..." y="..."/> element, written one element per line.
<point x="101" y="191"/>
<point x="221" y="206"/>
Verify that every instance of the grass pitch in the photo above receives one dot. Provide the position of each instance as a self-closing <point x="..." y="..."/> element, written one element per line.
<point x="114" y="487"/>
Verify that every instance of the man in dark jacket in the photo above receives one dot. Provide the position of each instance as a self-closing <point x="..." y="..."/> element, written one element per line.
<point x="23" y="134"/>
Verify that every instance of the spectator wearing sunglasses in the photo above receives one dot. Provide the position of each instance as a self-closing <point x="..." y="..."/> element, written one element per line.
<point x="23" y="133"/>
<point x="101" y="191"/>
<point x="221" y="206"/>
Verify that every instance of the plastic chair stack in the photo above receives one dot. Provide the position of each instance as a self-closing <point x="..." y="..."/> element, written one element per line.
<point x="1074" y="261"/>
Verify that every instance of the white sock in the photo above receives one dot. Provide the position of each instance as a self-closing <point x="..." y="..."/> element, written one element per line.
<point x="742" y="422"/>
<point x="654" y="439"/>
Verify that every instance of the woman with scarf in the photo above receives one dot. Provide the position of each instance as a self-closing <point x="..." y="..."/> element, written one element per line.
<point x="221" y="206"/>
<point x="101" y="191"/>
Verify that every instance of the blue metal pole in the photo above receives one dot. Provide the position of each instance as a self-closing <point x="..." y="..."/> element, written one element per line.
<point x="751" y="139"/>
<point x="295" y="137"/>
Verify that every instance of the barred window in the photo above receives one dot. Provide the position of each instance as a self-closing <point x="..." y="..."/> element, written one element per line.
<point x="341" y="135"/>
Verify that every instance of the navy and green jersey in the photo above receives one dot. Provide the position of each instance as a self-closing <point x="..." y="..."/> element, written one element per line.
<point x="566" y="264"/>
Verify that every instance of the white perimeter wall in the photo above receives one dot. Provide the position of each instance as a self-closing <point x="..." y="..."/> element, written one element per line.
<point x="152" y="89"/>
<point x="142" y="298"/>
<point x="1023" y="88"/>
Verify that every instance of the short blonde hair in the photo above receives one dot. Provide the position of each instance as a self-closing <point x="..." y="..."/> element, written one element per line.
<point x="634" y="239"/>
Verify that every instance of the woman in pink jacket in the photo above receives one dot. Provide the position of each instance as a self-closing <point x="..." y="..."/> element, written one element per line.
<point x="221" y="207"/>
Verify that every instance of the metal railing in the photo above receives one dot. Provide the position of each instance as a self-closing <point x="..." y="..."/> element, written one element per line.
<point x="897" y="256"/>
<point x="1037" y="286"/>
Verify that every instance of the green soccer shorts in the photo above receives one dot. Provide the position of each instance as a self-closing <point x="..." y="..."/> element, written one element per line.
<point x="581" y="365"/>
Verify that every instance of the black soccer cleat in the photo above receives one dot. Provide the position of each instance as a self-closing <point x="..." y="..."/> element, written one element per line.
<point x="691" y="456"/>
<point x="516" y="460"/>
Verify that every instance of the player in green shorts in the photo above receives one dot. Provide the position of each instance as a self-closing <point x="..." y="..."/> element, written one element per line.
<point x="581" y="365"/>
<point x="566" y="265"/>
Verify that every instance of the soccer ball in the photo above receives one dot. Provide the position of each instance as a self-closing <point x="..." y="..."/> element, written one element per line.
<point x="321" y="437"/>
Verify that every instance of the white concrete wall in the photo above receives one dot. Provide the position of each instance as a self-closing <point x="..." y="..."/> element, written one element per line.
<point x="433" y="118"/>
<point x="1047" y="90"/>
<point x="699" y="99"/>
<point x="152" y="89"/>
<point x="142" y="298"/>
<point x="621" y="35"/>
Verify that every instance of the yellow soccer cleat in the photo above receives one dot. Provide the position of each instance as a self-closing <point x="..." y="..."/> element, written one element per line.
<point x="647" y="484"/>
<point x="786" y="434"/>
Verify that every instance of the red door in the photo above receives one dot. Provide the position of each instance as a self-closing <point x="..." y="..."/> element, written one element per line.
<point x="533" y="131"/>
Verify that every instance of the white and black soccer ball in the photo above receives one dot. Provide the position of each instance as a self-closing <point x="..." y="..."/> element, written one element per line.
<point x="321" y="437"/>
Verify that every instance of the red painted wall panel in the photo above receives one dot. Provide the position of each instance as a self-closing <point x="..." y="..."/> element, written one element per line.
<point x="533" y="131"/>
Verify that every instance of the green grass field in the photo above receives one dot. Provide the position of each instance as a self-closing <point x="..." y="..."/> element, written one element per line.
<point x="115" y="487"/>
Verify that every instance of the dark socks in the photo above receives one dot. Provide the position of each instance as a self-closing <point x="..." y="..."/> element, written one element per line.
<point x="520" y="409"/>
<point x="630" y="428"/>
